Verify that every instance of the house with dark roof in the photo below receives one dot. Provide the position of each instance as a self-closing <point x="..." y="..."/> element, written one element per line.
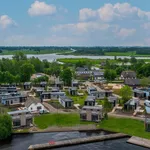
<point x="113" y="100"/>
<point x="9" y="100"/>
<point x="59" y="83"/>
<point x="43" y="84"/>
<point x="38" y="90"/>
<point x="66" y="101"/>
<point x="128" y="75"/>
<point x="75" y="83"/>
<point x="27" y="85"/>
<point x="72" y="91"/>
<point x="98" y="75"/>
<point x="143" y="93"/>
<point x="83" y="73"/>
<point x="132" y="82"/>
<point x="91" y="113"/>
<point x="91" y="89"/>
<point x="34" y="105"/>
<point x="56" y="95"/>
<point x="9" y="89"/>
<point x="132" y="104"/>
<point x="21" y="118"/>
<point x="90" y="101"/>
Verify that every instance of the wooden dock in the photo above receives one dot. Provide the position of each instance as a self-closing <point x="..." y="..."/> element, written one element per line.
<point x="139" y="141"/>
<point x="71" y="142"/>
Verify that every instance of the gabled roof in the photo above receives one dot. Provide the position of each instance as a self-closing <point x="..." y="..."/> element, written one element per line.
<point x="132" y="82"/>
<point x="128" y="74"/>
<point x="31" y="101"/>
<point x="66" y="99"/>
<point x="92" y="107"/>
<point x="90" y="98"/>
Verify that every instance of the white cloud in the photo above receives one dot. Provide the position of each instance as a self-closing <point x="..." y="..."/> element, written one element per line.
<point x="123" y="33"/>
<point x="86" y="14"/>
<point x="6" y="21"/>
<point x="110" y="12"/>
<point x="81" y="27"/>
<point x="41" y="8"/>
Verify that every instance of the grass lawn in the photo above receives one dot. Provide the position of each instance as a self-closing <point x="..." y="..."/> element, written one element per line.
<point x="46" y="51"/>
<point x="120" y="53"/>
<point x="127" y="126"/>
<point x="47" y="120"/>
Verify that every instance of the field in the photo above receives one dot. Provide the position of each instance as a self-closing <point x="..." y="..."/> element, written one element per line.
<point x="66" y="120"/>
<point x="127" y="126"/>
<point x="12" y="52"/>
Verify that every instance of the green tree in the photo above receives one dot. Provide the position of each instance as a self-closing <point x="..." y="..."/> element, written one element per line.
<point x="19" y="56"/>
<point x="110" y="75"/>
<point x="5" y="126"/>
<point x="8" y="78"/>
<point x="126" y="93"/>
<point x="26" y="70"/>
<point x="107" y="105"/>
<point x="66" y="76"/>
<point x="145" y="82"/>
<point x="133" y="60"/>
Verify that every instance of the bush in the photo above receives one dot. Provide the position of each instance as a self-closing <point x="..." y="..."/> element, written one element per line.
<point x="5" y="126"/>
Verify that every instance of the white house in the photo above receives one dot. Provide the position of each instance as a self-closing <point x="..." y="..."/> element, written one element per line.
<point x="34" y="106"/>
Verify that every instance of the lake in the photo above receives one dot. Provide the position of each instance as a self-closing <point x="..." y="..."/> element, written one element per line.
<point x="22" y="142"/>
<point x="52" y="57"/>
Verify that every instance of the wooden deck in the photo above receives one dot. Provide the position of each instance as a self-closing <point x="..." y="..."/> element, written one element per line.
<point x="65" y="143"/>
<point x="139" y="141"/>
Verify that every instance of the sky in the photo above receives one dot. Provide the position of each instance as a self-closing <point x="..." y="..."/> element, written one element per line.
<point x="74" y="23"/>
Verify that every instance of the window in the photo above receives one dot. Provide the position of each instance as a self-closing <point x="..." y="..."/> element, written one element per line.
<point x="39" y="107"/>
<point x="16" y="123"/>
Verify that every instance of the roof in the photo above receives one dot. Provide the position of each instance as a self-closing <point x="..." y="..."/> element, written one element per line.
<point x="18" y="111"/>
<point x="132" y="102"/>
<point x="112" y="98"/>
<point x="90" y="98"/>
<point x="27" y="83"/>
<point x="30" y="101"/>
<point x="132" y="82"/>
<point x="66" y="99"/>
<point x="92" y="107"/>
<point x="128" y="74"/>
<point x="82" y="69"/>
<point x="92" y="88"/>
<point x="57" y="93"/>
<point x="98" y="73"/>
<point x="75" y="81"/>
<point x="43" y="82"/>
<point x="73" y="88"/>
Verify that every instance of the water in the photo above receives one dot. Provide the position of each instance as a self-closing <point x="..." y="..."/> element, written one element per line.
<point x="22" y="142"/>
<point x="52" y="57"/>
<point x="119" y="144"/>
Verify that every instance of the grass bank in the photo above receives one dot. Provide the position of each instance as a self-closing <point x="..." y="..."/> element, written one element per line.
<point x="128" y="126"/>
<point x="63" y="120"/>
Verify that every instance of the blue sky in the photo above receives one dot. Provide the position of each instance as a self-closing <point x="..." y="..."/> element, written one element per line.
<point x="75" y="23"/>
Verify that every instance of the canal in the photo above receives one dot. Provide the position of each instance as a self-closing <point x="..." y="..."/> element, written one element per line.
<point x="22" y="142"/>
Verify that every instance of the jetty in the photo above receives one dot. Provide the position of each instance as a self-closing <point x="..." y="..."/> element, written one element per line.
<point x="139" y="141"/>
<point x="53" y="144"/>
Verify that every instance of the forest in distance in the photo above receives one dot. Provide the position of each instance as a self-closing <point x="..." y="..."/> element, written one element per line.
<point x="93" y="51"/>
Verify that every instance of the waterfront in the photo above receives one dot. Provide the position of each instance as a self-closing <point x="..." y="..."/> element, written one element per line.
<point x="53" y="57"/>
<point x="24" y="141"/>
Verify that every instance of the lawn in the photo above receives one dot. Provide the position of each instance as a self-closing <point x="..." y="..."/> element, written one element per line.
<point x="46" y="51"/>
<point x="124" y="125"/>
<point x="47" y="120"/>
<point x="120" y="53"/>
